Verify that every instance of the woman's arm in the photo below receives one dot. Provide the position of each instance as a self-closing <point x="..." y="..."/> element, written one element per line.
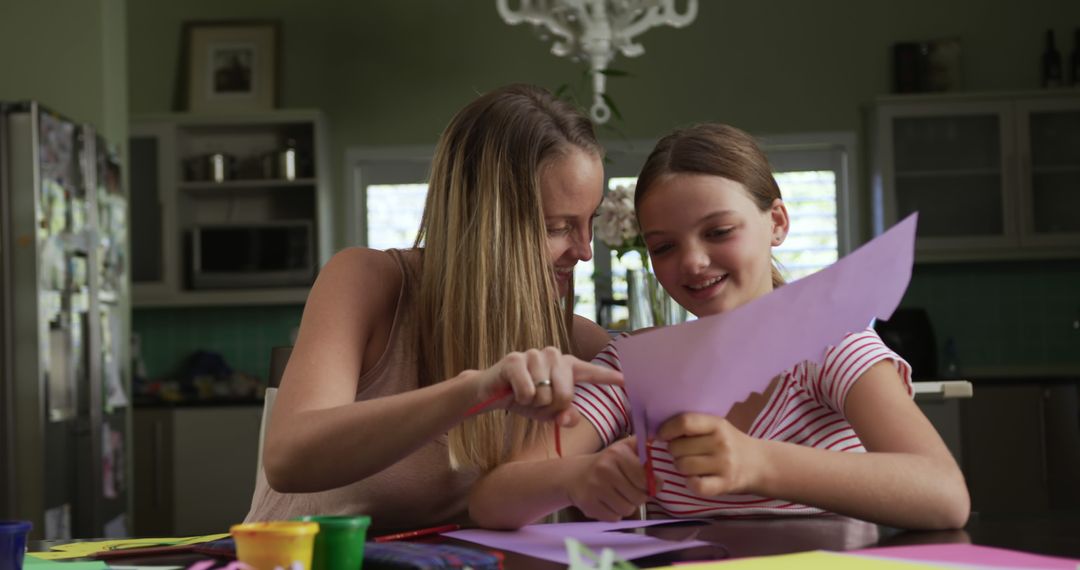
<point x="907" y="478"/>
<point x="320" y="438"/>
<point x="606" y="485"/>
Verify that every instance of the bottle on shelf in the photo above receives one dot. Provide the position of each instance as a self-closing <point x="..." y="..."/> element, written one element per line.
<point x="1051" y="63"/>
<point x="287" y="161"/>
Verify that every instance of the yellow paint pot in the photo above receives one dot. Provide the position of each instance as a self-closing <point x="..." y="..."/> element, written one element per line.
<point x="275" y="545"/>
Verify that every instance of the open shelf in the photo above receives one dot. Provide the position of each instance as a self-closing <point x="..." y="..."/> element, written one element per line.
<point x="172" y="201"/>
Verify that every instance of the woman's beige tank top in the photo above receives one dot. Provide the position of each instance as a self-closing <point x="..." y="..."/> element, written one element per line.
<point x="417" y="492"/>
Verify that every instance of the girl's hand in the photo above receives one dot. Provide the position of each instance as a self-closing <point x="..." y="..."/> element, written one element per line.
<point x="540" y="383"/>
<point x="611" y="485"/>
<point x="715" y="456"/>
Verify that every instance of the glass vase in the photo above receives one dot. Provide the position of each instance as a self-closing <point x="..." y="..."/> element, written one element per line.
<point x="649" y="304"/>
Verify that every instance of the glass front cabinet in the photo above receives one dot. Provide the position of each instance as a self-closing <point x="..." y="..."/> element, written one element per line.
<point x="1048" y="135"/>
<point x="992" y="177"/>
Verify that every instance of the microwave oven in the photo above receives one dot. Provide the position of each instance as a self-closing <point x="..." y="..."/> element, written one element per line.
<point x="267" y="254"/>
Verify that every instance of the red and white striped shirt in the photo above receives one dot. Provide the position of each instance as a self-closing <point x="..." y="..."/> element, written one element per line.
<point x="806" y="408"/>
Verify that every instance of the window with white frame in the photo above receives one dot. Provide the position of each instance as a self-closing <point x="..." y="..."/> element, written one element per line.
<point x="814" y="174"/>
<point x="387" y="188"/>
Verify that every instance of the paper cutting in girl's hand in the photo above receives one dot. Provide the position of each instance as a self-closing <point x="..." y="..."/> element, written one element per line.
<point x="672" y="370"/>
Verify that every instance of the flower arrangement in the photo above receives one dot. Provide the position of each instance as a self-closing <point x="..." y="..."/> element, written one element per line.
<point x="616" y="223"/>
<point x="616" y="226"/>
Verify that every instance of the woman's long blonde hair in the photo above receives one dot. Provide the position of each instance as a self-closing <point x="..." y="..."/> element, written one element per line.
<point x="717" y="150"/>
<point x="486" y="285"/>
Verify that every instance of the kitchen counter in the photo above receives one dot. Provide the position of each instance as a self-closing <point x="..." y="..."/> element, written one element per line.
<point x="207" y="403"/>
<point x="929" y="389"/>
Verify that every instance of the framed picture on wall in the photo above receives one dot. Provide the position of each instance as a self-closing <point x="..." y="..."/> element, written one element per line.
<point x="231" y="67"/>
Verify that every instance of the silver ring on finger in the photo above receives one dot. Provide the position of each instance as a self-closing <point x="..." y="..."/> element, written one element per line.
<point x="543" y="383"/>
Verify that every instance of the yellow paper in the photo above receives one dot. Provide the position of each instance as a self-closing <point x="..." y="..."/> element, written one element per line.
<point x="82" y="549"/>
<point x="808" y="561"/>
<point x="36" y="564"/>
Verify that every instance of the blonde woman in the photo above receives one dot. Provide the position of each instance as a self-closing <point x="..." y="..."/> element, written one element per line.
<point x="390" y="404"/>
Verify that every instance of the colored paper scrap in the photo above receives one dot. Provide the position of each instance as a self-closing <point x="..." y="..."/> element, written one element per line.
<point x="971" y="554"/>
<point x="36" y="563"/>
<point x="815" y="560"/>
<point x="548" y="541"/>
<point x="84" y="549"/>
<point x="575" y="528"/>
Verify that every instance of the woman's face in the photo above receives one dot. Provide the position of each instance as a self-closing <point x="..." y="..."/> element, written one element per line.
<point x="709" y="243"/>
<point x="571" y="185"/>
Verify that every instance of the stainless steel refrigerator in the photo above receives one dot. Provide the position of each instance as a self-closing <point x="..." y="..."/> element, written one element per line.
<point x="65" y="420"/>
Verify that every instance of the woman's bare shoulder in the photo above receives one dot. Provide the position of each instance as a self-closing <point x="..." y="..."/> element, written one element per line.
<point x="371" y="276"/>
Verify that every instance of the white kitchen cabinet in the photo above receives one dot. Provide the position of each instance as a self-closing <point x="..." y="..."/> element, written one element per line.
<point x="1048" y="131"/>
<point x="194" y="468"/>
<point x="173" y="192"/>
<point x="993" y="176"/>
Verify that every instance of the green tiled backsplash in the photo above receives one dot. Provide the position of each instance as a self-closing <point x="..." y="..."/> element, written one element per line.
<point x="242" y="335"/>
<point x="1003" y="314"/>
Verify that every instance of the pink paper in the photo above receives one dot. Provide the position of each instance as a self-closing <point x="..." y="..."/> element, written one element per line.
<point x="970" y="554"/>
<point x="575" y="528"/>
<point x="709" y="364"/>
<point x="548" y="541"/>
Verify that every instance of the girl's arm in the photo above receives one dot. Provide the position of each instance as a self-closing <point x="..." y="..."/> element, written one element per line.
<point x="320" y="438"/>
<point x="606" y="485"/>
<point x="907" y="478"/>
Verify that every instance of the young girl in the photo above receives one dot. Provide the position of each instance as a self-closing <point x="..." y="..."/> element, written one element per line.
<point x="842" y="436"/>
<point x="383" y="406"/>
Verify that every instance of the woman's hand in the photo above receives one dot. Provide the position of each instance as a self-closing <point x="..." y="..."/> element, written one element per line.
<point x="715" y="456"/>
<point x="611" y="486"/>
<point x="538" y="384"/>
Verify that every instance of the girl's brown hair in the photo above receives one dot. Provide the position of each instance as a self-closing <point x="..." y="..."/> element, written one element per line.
<point x="486" y="285"/>
<point x="717" y="150"/>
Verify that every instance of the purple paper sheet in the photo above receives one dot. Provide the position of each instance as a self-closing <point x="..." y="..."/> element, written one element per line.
<point x="548" y="541"/>
<point x="575" y="528"/>
<point x="709" y="364"/>
<point x="971" y="554"/>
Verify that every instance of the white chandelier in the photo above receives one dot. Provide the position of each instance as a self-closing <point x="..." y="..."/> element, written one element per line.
<point x="592" y="30"/>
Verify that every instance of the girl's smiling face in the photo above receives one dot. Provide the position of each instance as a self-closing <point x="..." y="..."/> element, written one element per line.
<point x="709" y="243"/>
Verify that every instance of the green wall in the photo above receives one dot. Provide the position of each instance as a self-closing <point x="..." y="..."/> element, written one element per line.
<point x="393" y="72"/>
<point x="70" y="55"/>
